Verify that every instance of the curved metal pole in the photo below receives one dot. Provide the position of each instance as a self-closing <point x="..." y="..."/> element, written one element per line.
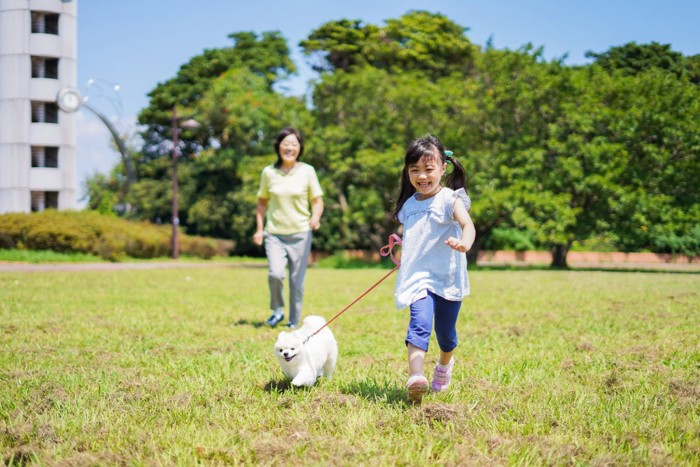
<point x="128" y="164"/>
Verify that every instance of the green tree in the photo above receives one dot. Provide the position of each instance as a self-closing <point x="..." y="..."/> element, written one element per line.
<point x="243" y="114"/>
<point x="266" y="56"/>
<point x="633" y="58"/>
<point x="419" y="40"/>
<point x="366" y="118"/>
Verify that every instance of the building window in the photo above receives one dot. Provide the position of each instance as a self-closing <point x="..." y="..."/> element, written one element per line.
<point x="42" y="200"/>
<point x="44" y="23"/>
<point x="44" y="112"/>
<point x="45" y="156"/>
<point x="44" y="67"/>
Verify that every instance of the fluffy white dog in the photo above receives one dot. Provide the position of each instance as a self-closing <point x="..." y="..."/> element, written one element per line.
<point x="303" y="362"/>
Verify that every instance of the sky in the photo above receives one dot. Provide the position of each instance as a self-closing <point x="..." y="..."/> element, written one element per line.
<point x="132" y="45"/>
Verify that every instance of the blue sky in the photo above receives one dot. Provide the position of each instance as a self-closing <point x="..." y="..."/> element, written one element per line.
<point x="136" y="44"/>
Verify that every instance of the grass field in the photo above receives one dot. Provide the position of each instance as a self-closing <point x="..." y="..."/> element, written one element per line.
<point x="163" y="367"/>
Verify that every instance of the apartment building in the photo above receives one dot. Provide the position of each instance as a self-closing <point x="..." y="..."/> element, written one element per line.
<point x="38" y="75"/>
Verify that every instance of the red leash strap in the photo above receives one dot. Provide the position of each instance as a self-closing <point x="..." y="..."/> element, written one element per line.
<point x="386" y="250"/>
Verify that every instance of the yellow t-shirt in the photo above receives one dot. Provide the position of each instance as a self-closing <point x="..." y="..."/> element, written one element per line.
<point x="288" y="210"/>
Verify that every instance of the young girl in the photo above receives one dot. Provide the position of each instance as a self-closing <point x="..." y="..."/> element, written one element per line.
<point x="432" y="279"/>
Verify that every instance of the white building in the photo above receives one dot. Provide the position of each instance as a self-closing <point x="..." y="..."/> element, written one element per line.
<point x="38" y="60"/>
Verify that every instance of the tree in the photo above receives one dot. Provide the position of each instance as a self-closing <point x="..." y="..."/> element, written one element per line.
<point x="245" y="115"/>
<point x="633" y="58"/>
<point x="231" y="90"/>
<point x="266" y="57"/>
<point x="419" y="40"/>
<point x="509" y="104"/>
<point x="366" y="118"/>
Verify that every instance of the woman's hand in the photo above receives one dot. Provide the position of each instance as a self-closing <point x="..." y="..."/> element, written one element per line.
<point x="258" y="237"/>
<point x="314" y="223"/>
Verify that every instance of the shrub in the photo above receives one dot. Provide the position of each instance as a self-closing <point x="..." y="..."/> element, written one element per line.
<point x="670" y="242"/>
<point x="509" y="239"/>
<point x="105" y="236"/>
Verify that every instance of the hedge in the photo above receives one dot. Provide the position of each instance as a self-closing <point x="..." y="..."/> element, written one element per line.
<point x="108" y="237"/>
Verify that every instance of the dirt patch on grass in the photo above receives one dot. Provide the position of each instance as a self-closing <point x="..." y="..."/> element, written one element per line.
<point x="436" y="412"/>
<point x="48" y="396"/>
<point x="685" y="391"/>
<point x="91" y="459"/>
<point x="585" y="347"/>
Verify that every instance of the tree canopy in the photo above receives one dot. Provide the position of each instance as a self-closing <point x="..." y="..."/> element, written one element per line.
<point x="558" y="157"/>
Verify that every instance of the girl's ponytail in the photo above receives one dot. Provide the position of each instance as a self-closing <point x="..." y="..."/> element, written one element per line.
<point x="458" y="178"/>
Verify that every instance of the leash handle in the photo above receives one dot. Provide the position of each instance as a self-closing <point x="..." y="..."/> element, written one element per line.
<point x="388" y="250"/>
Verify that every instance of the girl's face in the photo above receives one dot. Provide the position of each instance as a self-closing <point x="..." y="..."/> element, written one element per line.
<point x="425" y="175"/>
<point x="289" y="150"/>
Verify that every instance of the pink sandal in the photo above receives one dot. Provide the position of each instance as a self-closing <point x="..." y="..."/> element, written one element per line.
<point x="442" y="376"/>
<point x="417" y="387"/>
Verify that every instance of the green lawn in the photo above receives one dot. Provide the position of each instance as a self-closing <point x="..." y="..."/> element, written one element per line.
<point x="175" y="367"/>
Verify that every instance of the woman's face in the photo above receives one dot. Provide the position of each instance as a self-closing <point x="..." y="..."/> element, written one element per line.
<point x="289" y="150"/>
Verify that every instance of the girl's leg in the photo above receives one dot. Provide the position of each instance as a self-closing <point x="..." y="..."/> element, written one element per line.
<point x="445" y="357"/>
<point x="420" y="327"/>
<point x="416" y="357"/>
<point x="446" y="313"/>
<point x="417" y="339"/>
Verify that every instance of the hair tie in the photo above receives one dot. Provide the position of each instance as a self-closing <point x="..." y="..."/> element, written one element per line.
<point x="448" y="153"/>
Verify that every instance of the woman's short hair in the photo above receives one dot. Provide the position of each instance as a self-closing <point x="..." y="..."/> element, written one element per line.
<point x="283" y="134"/>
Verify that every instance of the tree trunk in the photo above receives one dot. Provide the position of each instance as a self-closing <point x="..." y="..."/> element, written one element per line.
<point x="559" y="253"/>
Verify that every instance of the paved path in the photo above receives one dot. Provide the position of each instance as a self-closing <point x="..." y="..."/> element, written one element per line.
<point x="99" y="266"/>
<point x="61" y="267"/>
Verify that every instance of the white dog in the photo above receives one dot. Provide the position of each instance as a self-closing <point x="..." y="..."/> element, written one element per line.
<point x="304" y="362"/>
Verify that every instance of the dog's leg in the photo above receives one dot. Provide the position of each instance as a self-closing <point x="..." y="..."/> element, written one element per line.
<point x="304" y="378"/>
<point x="329" y="366"/>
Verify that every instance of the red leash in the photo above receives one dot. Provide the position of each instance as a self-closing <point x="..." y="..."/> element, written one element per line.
<point x="386" y="250"/>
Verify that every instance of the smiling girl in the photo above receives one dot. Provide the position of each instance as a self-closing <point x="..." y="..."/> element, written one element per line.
<point x="432" y="279"/>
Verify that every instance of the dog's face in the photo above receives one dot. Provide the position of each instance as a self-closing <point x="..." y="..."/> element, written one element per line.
<point x="288" y="346"/>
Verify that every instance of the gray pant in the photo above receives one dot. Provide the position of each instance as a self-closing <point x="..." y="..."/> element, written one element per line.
<point x="292" y="251"/>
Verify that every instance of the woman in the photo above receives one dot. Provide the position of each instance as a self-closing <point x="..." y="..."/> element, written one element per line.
<point x="290" y="205"/>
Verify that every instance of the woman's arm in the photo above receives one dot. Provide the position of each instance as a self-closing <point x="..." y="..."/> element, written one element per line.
<point x="316" y="212"/>
<point x="260" y="211"/>
<point x="462" y="216"/>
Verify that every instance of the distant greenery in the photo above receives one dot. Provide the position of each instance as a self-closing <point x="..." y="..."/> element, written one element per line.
<point x="556" y="155"/>
<point x="45" y="256"/>
<point x="175" y="367"/>
<point x="103" y="236"/>
<point x="341" y="260"/>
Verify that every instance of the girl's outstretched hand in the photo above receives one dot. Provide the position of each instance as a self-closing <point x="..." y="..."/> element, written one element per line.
<point x="456" y="244"/>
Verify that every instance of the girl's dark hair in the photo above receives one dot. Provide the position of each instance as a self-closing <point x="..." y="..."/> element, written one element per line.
<point x="283" y="134"/>
<point x="429" y="146"/>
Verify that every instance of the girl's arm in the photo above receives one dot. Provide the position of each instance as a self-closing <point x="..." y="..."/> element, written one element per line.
<point x="316" y="211"/>
<point x="462" y="216"/>
<point x="260" y="220"/>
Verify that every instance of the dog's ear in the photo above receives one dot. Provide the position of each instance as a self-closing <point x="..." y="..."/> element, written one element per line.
<point x="282" y="334"/>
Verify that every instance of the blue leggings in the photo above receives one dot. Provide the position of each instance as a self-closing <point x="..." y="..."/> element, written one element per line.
<point x="444" y="312"/>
